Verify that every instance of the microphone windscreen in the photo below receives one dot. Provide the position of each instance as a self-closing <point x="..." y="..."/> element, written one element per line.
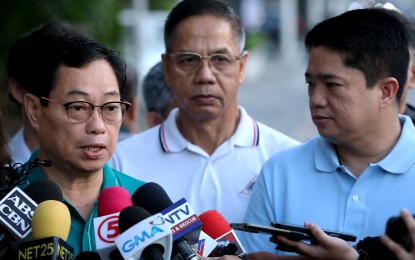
<point x="130" y="216"/>
<point x="214" y="224"/>
<point x="152" y="197"/>
<point x="112" y="200"/>
<point x="88" y="255"/>
<point x="51" y="219"/>
<point x="42" y="190"/>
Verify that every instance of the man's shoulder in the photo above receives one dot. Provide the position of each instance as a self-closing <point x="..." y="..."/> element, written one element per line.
<point x="302" y="150"/>
<point x="269" y="134"/>
<point x="18" y="148"/>
<point x="148" y="135"/>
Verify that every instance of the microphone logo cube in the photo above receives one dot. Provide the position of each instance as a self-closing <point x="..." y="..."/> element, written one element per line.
<point x="16" y="212"/>
<point x="134" y="240"/>
<point x="205" y="245"/>
<point x="106" y="230"/>
<point x="183" y="221"/>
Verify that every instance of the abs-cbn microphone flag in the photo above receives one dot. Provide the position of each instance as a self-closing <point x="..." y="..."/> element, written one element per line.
<point x="16" y="212"/>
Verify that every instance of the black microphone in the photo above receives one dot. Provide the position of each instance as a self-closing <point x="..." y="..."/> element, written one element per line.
<point x="41" y="190"/>
<point x="143" y="236"/>
<point x="17" y="209"/>
<point x="152" y="197"/>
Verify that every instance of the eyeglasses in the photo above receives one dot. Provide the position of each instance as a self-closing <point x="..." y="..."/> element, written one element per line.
<point x="190" y="62"/>
<point x="81" y="111"/>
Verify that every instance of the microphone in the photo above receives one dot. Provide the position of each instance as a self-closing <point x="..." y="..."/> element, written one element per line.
<point x="42" y="190"/>
<point x="143" y="236"/>
<point x="183" y="222"/>
<point x="112" y="200"/>
<point x="50" y="228"/>
<point x="217" y="227"/>
<point x="17" y="207"/>
<point x="110" y="203"/>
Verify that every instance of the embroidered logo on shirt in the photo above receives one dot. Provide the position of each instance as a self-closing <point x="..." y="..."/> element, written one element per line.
<point x="248" y="188"/>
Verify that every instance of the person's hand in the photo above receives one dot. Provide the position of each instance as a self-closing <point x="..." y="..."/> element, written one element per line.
<point x="397" y="249"/>
<point x="328" y="247"/>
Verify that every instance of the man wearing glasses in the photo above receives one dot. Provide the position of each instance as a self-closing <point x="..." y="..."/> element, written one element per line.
<point x="209" y="150"/>
<point x="75" y="105"/>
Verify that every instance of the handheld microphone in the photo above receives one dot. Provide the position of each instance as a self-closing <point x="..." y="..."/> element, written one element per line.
<point x="183" y="222"/>
<point x="50" y="228"/>
<point x="17" y="207"/>
<point x="42" y="190"/>
<point x="217" y="227"/>
<point x="110" y="203"/>
<point x="143" y="236"/>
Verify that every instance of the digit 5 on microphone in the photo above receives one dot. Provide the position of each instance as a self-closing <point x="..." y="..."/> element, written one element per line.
<point x="111" y="202"/>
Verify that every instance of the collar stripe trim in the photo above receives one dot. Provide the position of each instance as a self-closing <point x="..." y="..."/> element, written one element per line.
<point x="162" y="136"/>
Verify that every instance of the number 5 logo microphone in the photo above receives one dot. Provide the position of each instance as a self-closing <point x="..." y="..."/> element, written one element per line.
<point x="111" y="202"/>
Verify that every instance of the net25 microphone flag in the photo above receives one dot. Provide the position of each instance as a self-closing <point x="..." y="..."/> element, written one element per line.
<point x="50" y="229"/>
<point x="111" y="202"/>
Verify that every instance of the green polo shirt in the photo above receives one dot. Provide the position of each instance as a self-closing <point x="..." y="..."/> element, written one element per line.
<point x="81" y="235"/>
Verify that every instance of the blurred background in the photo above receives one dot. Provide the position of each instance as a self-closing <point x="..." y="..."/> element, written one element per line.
<point x="274" y="92"/>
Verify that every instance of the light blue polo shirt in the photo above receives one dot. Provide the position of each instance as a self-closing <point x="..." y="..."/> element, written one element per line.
<point x="308" y="183"/>
<point x="81" y="235"/>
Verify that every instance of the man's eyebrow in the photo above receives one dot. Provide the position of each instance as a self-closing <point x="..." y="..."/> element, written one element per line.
<point x="82" y="93"/>
<point x="321" y="76"/>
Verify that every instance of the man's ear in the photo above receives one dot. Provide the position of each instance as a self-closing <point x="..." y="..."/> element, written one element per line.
<point x="33" y="109"/>
<point x="16" y="90"/>
<point x="389" y="87"/>
<point x="411" y="76"/>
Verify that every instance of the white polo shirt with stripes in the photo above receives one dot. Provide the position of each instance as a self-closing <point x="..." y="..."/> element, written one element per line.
<point x="222" y="181"/>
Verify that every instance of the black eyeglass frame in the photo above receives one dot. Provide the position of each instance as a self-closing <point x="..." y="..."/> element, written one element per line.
<point x="67" y="105"/>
